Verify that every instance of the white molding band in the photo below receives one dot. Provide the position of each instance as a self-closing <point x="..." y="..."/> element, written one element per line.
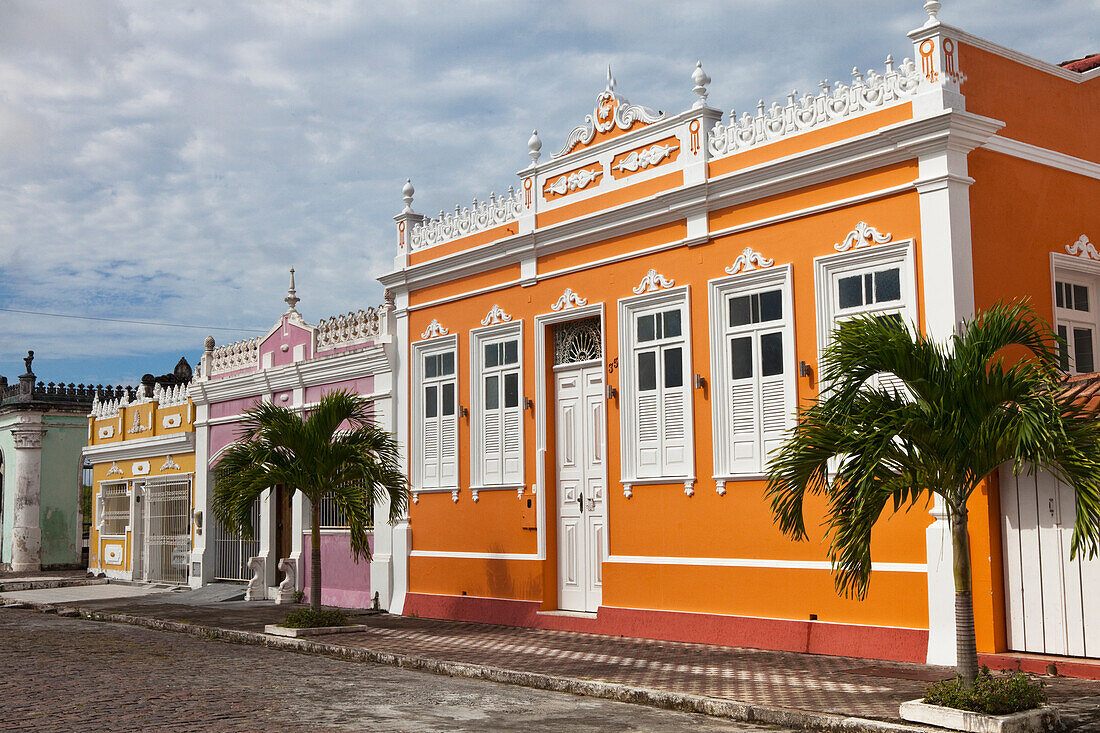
<point x="1042" y="156"/>
<point x="129" y="450"/>
<point x="749" y="562"/>
<point x="475" y="555"/>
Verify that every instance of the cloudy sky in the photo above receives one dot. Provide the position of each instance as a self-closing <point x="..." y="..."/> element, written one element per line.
<point x="169" y="161"/>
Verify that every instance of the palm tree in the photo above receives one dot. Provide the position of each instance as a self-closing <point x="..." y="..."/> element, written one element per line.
<point x="336" y="450"/>
<point x="963" y="412"/>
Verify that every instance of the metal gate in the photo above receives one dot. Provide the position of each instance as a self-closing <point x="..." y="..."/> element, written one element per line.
<point x="231" y="553"/>
<point x="167" y="545"/>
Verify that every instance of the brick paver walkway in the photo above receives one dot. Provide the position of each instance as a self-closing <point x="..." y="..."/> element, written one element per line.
<point x="841" y="685"/>
<point x="68" y="674"/>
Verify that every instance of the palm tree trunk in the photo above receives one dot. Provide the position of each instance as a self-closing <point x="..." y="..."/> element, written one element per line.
<point x="315" y="555"/>
<point x="966" y="649"/>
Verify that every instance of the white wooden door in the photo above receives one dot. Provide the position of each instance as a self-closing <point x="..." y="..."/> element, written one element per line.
<point x="581" y="493"/>
<point x="1053" y="603"/>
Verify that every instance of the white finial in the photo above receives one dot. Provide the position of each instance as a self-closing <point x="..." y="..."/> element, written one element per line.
<point x="534" y="145"/>
<point x="610" y="80"/>
<point x="291" y="299"/>
<point x="407" y="194"/>
<point x="932" y="7"/>
<point x="700" y="78"/>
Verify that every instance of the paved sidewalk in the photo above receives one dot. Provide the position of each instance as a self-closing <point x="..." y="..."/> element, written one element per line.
<point x="837" y="686"/>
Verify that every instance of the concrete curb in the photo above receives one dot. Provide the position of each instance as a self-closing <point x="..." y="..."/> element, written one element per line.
<point x="12" y="586"/>
<point x="683" y="702"/>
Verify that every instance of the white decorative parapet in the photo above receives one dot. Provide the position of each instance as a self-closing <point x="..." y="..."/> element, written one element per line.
<point x="864" y="94"/>
<point x="465" y="221"/>
<point x="171" y="395"/>
<point x="349" y="328"/>
<point x="106" y="408"/>
<point x="237" y="355"/>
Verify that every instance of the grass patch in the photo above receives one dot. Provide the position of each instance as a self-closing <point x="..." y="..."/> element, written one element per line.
<point x="994" y="695"/>
<point x="307" y="618"/>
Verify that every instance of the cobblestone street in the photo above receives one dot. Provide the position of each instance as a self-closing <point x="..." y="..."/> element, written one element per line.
<point x="71" y="674"/>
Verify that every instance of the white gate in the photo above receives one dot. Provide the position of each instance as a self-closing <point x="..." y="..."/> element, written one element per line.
<point x="231" y="553"/>
<point x="1053" y="603"/>
<point x="167" y="529"/>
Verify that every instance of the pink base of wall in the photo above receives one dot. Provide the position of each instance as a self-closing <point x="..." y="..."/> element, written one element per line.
<point x="814" y="637"/>
<point x="344" y="582"/>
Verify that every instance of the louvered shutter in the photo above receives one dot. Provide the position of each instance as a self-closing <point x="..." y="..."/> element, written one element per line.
<point x="512" y="447"/>
<point x="744" y="437"/>
<point x="491" y="447"/>
<point x="675" y="439"/>
<point x="431" y="453"/>
<point x="775" y="410"/>
<point x="648" y="412"/>
<point x="448" y="450"/>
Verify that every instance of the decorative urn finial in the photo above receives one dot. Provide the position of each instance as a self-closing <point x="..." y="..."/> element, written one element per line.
<point x="291" y="299"/>
<point x="932" y="7"/>
<point x="208" y="344"/>
<point x="534" y="146"/>
<point x="700" y="78"/>
<point x="407" y="192"/>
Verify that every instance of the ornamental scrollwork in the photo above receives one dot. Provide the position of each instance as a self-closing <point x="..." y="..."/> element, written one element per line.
<point x="496" y="314"/>
<point x="434" y="329"/>
<point x="612" y="110"/>
<point x="653" y="280"/>
<point x="748" y="261"/>
<point x="862" y="236"/>
<point x="568" y="299"/>
<point x="1083" y="248"/>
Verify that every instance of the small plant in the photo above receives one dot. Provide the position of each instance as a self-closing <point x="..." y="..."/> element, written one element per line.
<point x="994" y="695"/>
<point x="298" y="596"/>
<point x="307" y="618"/>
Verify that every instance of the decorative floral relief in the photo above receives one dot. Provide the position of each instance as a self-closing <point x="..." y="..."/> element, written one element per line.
<point x="611" y="110"/>
<point x="137" y="427"/>
<point x="495" y="315"/>
<point x="572" y="182"/>
<point x="169" y="463"/>
<point x="434" y="329"/>
<point x="748" y="261"/>
<point x="568" y="299"/>
<point x="172" y="421"/>
<point x="641" y="159"/>
<point x="653" y="280"/>
<point x="107" y="431"/>
<point x="1083" y="248"/>
<point x="862" y="236"/>
<point x="114" y="469"/>
<point x="830" y="105"/>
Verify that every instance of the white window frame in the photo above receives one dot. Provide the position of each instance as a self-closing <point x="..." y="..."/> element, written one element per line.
<point x="828" y="269"/>
<point x="421" y="349"/>
<point x="720" y="290"/>
<point x="1079" y="271"/>
<point x="101" y="521"/>
<point x="478" y="338"/>
<point x="629" y="445"/>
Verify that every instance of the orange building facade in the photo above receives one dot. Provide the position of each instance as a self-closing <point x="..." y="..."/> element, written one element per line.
<point x="597" y="365"/>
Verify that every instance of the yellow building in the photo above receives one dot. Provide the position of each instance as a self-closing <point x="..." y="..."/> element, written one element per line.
<point x="141" y="449"/>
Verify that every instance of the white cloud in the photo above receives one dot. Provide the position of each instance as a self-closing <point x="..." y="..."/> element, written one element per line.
<point x="168" y="161"/>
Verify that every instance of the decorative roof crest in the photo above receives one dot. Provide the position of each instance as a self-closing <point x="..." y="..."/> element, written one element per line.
<point x="653" y="280"/>
<point x="568" y="299"/>
<point x="1083" y="248"/>
<point x="434" y="329"/>
<point x="612" y="110"/>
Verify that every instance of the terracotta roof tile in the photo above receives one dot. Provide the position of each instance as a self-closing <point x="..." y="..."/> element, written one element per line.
<point x="1083" y="64"/>
<point x="1084" y="389"/>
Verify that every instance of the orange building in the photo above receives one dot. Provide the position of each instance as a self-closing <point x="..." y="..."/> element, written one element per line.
<point x="599" y="362"/>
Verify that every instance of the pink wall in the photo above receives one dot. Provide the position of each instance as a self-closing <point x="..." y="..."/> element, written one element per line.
<point x="363" y="385"/>
<point x="223" y="435"/>
<point x="344" y="583"/>
<point x="232" y="407"/>
<point x="288" y="335"/>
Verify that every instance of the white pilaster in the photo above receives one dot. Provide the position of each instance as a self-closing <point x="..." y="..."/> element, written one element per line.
<point x="203" y="551"/>
<point x="26" y="550"/>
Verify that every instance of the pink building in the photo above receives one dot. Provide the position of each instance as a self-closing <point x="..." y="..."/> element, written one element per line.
<point x="293" y="365"/>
